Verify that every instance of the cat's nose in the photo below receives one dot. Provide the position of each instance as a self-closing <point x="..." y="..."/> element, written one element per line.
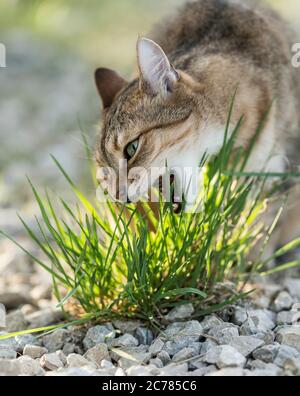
<point x="122" y="195"/>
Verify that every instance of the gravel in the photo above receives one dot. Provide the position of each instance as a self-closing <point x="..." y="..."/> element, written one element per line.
<point x="289" y="336"/>
<point x="34" y="351"/>
<point x="241" y="341"/>
<point x="98" y="335"/>
<point x="179" y="335"/>
<point x="225" y="356"/>
<point x="224" y="333"/>
<point x="164" y="357"/>
<point x="144" y="336"/>
<point x="8" y="354"/>
<point x="51" y="361"/>
<point x="293" y="287"/>
<point x="75" y="360"/>
<point x="156" y="347"/>
<point x="15" y="321"/>
<point x="246" y="345"/>
<point x="56" y="340"/>
<point x="126" y="340"/>
<point x="97" y="354"/>
<point x="283" y="301"/>
<point x="267" y="353"/>
<point x="184" y="354"/>
<point x="180" y="313"/>
<point x="253" y="338"/>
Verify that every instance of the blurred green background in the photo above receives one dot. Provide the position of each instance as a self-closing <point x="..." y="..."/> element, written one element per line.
<point x="47" y="89"/>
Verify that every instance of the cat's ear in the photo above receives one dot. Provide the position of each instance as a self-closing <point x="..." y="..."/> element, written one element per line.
<point x="109" y="84"/>
<point x="156" y="72"/>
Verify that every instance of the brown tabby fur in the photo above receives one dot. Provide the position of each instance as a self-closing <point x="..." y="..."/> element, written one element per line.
<point x="216" y="46"/>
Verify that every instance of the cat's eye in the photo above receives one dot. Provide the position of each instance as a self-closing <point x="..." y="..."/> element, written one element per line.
<point x="131" y="148"/>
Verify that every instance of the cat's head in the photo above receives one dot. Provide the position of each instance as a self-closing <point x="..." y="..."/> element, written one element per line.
<point x="149" y="122"/>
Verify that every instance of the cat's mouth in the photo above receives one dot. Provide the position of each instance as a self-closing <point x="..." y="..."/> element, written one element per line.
<point x="177" y="202"/>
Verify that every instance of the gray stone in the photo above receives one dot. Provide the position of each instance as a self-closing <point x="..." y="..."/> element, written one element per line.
<point x="240" y="316"/>
<point x="184" y="354"/>
<point x="296" y="307"/>
<point x="9" y="343"/>
<point x="261" y="319"/>
<point x="62" y="357"/>
<point x="2" y="317"/>
<point x="227" y="372"/>
<point x="75" y="360"/>
<point x="288" y="317"/>
<point x="283" y="301"/>
<point x="8" y="354"/>
<point x="226" y="313"/>
<point x="164" y="357"/>
<point x="179" y="335"/>
<point x="29" y="366"/>
<point x="142" y="371"/>
<point x="209" y="322"/>
<point x="34" y="351"/>
<point x="126" y="340"/>
<point x="181" y="312"/>
<point x="127" y="326"/>
<point x="56" y="340"/>
<point x="144" y="336"/>
<point x="156" y="346"/>
<point x="9" y="367"/>
<point x="252" y="327"/>
<point x="269" y="289"/>
<point x="289" y="336"/>
<point x="292" y="366"/>
<point x="224" y="333"/>
<point x="98" y="335"/>
<point x="197" y="363"/>
<point x="259" y="365"/>
<point x="262" y="301"/>
<point x="69" y="348"/>
<point x="203" y="371"/>
<point x="15" y="321"/>
<point x="246" y="344"/>
<point x="41" y="292"/>
<point x="174" y="370"/>
<point x="44" y="317"/>
<point x="107" y="364"/>
<point x="225" y="356"/>
<point x="286" y="352"/>
<point x="267" y="353"/>
<point x="76" y="372"/>
<point x="120" y="372"/>
<point x="207" y="345"/>
<point x="196" y="346"/>
<point x="156" y="362"/>
<point x="268" y="337"/>
<point x="263" y="373"/>
<point x="25" y="339"/>
<point x="293" y="286"/>
<point x="97" y="354"/>
<point x="51" y="361"/>
<point x="12" y="300"/>
<point x="126" y="357"/>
